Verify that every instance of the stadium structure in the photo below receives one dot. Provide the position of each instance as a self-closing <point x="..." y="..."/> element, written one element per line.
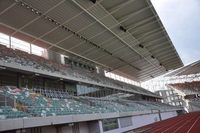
<point x="187" y="83"/>
<point x="178" y="88"/>
<point x="75" y="66"/>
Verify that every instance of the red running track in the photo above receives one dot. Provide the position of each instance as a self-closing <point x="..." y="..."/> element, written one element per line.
<point x="187" y="123"/>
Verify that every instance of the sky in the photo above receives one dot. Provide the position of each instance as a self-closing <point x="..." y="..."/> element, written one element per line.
<point x="181" y="18"/>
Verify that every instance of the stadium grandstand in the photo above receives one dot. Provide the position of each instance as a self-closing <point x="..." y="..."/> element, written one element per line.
<point x="188" y="82"/>
<point x="76" y="66"/>
<point x="179" y="86"/>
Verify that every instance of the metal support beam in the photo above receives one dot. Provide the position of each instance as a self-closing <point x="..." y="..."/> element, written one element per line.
<point x="150" y="33"/>
<point x="112" y="31"/>
<point x="149" y="43"/>
<point x="125" y="18"/>
<point x="131" y="26"/>
<point x="142" y="27"/>
<point x="160" y="23"/>
<point x="83" y="28"/>
<point x="156" y="45"/>
<point x="159" y="47"/>
<point x="125" y="3"/>
<point x="10" y="42"/>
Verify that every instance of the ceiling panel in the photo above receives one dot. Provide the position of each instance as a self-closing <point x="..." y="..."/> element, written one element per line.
<point x="56" y="35"/>
<point x="70" y="42"/>
<point x="39" y="27"/>
<point x="64" y="12"/>
<point x="10" y="18"/>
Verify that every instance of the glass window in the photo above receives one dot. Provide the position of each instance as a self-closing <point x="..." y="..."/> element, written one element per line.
<point x="20" y="45"/>
<point x="106" y="73"/>
<point x="117" y="77"/>
<point x="169" y="99"/>
<point x="112" y="75"/>
<point x="4" y="39"/>
<point x="38" y="50"/>
<point x="126" y="80"/>
<point x="97" y="68"/>
<point x="109" y="124"/>
<point x="121" y="78"/>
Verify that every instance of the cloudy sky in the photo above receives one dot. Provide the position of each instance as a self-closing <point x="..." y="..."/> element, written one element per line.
<point x="181" y="19"/>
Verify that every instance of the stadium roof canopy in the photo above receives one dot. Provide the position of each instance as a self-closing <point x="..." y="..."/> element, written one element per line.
<point x="193" y="68"/>
<point x="124" y="36"/>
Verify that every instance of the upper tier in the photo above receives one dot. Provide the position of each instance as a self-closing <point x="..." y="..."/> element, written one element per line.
<point x="8" y="55"/>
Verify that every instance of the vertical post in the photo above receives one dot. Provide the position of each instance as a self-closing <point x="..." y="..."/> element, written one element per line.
<point x="5" y="100"/>
<point x="15" y="104"/>
<point x="30" y="48"/>
<point x="18" y="81"/>
<point x="63" y="86"/>
<point x="9" y="41"/>
<point x="159" y="113"/>
<point x="44" y="83"/>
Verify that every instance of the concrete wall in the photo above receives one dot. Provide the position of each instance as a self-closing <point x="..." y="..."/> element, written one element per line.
<point x="94" y="127"/>
<point x="66" y="129"/>
<point x="74" y="128"/>
<point x="11" y="124"/>
<point x="193" y="108"/>
<point x="91" y="126"/>
<point x="166" y="115"/>
<point x="137" y="121"/>
<point x="83" y="127"/>
<point x="49" y="129"/>
<point x="142" y="120"/>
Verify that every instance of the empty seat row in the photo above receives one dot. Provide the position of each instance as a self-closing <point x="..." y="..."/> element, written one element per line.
<point x="7" y="112"/>
<point x="35" y="104"/>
